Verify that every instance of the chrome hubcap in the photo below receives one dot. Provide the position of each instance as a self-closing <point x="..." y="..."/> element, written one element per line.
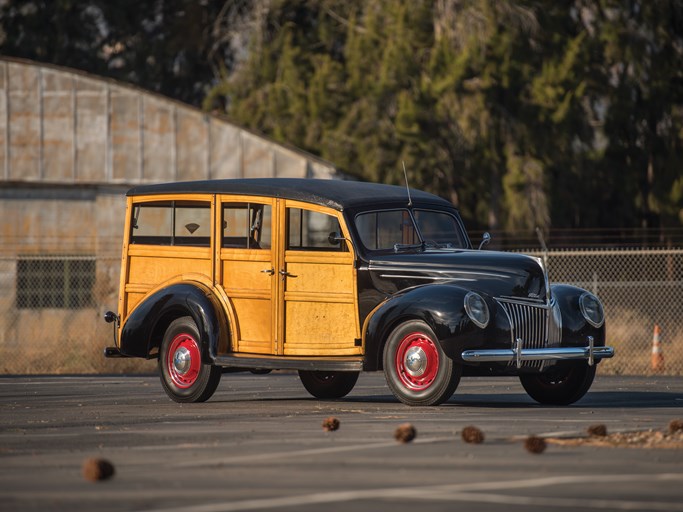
<point x="182" y="360"/>
<point x="415" y="361"/>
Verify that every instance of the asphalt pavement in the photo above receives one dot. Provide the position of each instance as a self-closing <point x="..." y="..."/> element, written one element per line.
<point x="258" y="444"/>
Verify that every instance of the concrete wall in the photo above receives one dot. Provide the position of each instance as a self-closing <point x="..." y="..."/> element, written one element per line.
<point x="62" y="126"/>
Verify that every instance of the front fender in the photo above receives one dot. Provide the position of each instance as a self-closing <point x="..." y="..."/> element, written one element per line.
<point x="144" y="329"/>
<point x="575" y="328"/>
<point x="440" y="306"/>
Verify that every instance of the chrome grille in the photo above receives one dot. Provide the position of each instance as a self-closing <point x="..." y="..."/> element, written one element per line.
<point x="537" y="325"/>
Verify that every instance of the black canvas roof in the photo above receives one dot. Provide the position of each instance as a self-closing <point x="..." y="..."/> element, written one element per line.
<point x="336" y="194"/>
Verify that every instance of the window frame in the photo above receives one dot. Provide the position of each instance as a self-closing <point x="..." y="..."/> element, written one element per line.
<point x="172" y="239"/>
<point x="462" y="234"/>
<point x="342" y="247"/>
<point x="249" y="225"/>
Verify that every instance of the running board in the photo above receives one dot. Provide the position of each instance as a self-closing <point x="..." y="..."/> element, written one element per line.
<point x="255" y="361"/>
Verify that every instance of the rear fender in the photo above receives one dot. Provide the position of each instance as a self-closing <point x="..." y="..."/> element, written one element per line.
<point x="144" y="329"/>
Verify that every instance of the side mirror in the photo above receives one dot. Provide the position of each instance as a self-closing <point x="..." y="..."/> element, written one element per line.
<point x="335" y="238"/>
<point x="485" y="239"/>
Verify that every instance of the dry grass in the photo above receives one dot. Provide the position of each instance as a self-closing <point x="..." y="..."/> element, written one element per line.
<point x="630" y="333"/>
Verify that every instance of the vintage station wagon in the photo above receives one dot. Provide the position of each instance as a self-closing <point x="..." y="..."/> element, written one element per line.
<point x="331" y="278"/>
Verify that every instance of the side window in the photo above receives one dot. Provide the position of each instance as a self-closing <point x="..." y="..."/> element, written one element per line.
<point x="313" y="231"/>
<point x="382" y="230"/>
<point x="246" y="225"/>
<point x="185" y="223"/>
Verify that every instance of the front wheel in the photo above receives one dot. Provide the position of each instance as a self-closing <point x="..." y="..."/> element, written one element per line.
<point x="327" y="385"/>
<point x="563" y="384"/>
<point x="184" y="376"/>
<point x="416" y="369"/>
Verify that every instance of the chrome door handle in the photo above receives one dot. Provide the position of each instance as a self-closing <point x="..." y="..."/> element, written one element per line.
<point x="268" y="271"/>
<point x="284" y="274"/>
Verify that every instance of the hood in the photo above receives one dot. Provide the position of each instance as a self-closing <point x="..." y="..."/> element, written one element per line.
<point x="497" y="274"/>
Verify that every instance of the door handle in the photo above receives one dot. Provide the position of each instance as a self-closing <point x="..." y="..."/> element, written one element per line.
<point x="284" y="274"/>
<point x="268" y="271"/>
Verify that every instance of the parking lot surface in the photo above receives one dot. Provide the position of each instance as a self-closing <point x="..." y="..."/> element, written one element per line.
<point x="258" y="444"/>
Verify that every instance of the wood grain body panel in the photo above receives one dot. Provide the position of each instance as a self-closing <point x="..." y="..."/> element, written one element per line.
<point x="154" y="270"/>
<point x="254" y="325"/>
<point x="307" y="306"/>
<point x="315" y="328"/>
<point x="320" y="313"/>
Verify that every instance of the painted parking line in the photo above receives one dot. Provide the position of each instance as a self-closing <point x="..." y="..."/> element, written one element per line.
<point x="469" y="492"/>
<point x="223" y="461"/>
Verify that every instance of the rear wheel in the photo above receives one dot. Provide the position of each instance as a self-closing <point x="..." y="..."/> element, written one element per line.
<point x="184" y="376"/>
<point x="416" y="369"/>
<point x="328" y="385"/>
<point x="563" y="384"/>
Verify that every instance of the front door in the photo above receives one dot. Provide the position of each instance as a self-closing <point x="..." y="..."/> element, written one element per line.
<point x="317" y="291"/>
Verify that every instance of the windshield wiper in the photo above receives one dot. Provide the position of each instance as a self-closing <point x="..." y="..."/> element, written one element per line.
<point x="408" y="247"/>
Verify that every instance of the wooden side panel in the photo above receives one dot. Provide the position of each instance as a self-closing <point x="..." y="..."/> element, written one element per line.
<point x="254" y="325"/>
<point x="132" y="300"/>
<point x="320" y="312"/>
<point x="321" y="278"/>
<point x="320" y="328"/>
<point x="152" y="270"/>
<point x="251" y="296"/>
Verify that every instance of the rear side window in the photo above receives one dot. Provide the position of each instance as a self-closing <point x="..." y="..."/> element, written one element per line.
<point x="246" y="225"/>
<point x="185" y="223"/>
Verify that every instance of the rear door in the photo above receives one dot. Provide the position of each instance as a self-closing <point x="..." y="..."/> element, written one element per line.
<point x="246" y="271"/>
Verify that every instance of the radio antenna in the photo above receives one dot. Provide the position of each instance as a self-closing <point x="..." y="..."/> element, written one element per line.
<point x="405" y="175"/>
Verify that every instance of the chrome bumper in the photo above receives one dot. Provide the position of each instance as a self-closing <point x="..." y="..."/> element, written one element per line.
<point x="519" y="354"/>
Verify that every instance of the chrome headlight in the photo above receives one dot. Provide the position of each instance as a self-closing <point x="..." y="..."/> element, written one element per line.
<point x="591" y="309"/>
<point x="477" y="309"/>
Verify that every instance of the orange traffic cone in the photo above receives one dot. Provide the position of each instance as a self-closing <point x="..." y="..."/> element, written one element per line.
<point x="657" y="356"/>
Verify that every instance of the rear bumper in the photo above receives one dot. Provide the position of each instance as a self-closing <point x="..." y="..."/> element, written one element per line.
<point x="519" y="354"/>
<point x="113" y="352"/>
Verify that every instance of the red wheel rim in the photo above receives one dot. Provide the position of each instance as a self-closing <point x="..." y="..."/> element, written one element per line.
<point x="183" y="360"/>
<point x="417" y="361"/>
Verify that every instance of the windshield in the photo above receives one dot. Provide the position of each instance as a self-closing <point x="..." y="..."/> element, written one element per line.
<point x="397" y="229"/>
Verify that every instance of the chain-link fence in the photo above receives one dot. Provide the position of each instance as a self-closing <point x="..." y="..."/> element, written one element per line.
<point x="640" y="289"/>
<point x="51" y="309"/>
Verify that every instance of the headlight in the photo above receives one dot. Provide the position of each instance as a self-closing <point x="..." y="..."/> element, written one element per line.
<point x="591" y="309"/>
<point x="476" y="309"/>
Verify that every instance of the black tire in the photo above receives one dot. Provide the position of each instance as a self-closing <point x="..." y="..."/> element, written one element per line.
<point x="327" y="385"/>
<point x="563" y="384"/>
<point x="184" y="376"/>
<point x="260" y="371"/>
<point x="429" y="377"/>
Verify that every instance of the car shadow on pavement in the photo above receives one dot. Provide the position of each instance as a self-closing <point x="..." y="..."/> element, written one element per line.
<point x="593" y="400"/>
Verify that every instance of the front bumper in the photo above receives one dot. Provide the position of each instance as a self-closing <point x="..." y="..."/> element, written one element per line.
<point x="518" y="354"/>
